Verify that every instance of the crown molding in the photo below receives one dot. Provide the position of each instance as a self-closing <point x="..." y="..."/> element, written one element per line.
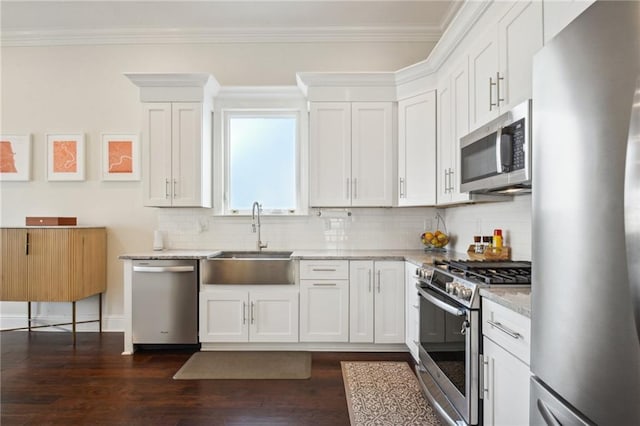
<point x="220" y="35"/>
<point x="467" y="15"/>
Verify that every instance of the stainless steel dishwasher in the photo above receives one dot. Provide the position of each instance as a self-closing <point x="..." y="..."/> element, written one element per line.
<point x="165" y="302"/>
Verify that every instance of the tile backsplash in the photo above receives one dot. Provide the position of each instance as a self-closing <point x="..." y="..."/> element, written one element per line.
<point x="366" y="228"/>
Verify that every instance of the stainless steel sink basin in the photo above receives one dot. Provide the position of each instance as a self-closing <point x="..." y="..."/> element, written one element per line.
<point x="248" y="268"/>
<point x="252" y="255"/>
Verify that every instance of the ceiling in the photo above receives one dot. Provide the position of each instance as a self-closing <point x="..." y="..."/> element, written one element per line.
<point x="83" y="22"/>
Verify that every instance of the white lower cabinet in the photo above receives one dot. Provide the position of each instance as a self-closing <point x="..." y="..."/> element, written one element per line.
<point x="505" y="368"/>
<point x="254" y="316"/>
<point x="324" y="314"/>
<point x="324" y="301"/>
<point x="412" y="310"/>
<point x="376" y="301"/>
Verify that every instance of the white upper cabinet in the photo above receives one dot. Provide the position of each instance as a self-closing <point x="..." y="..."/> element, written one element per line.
<point x="330" y="154"/>
<point x="559" y="14"/>
<point x="500" y="61"/>
<point x="453" y="123"/>
<point x="351" y="154"/>
<point x="174" y="143"/>
<point x="417" y="150"/>
<point x="176" y="138"/>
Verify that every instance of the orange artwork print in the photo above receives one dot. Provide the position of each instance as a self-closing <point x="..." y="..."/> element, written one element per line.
<point x="120" y="157"/>
<point x="7" y="162"/>
<point x="65" y="154"/>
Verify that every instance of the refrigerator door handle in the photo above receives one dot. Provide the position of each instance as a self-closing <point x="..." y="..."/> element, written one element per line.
<point x="632" y="205"/>
<point x="547" y="415"/>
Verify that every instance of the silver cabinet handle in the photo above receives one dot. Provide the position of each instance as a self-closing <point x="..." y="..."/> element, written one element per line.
<point x="324" y="284"/>
<point x="166" y="188"/>
<point x="504" y="329"/>
<point x="402" y="195"/>
<point x="175" y="189"/>
<point x="252" y="312"/>
<point x="369" y="280"/>
<point x="378" y="281"/>
<point x="26" y="245"/>
<point x="348" y="188"/>
<point x="163" y="269"/>
<point x="491" y="104"/>
<point x="498" y="80"/>
<point x="323" y="269"/>
<point x="244" y="312"/>
<point x="484" y="377"/>
<point x="355" y="187"/>
<point x="450" y="180"/>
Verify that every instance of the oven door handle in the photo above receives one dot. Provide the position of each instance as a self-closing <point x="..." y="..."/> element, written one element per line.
<point x="442" y="305"/>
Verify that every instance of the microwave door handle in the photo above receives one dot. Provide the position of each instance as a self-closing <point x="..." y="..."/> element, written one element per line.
<point x="506" y="152"/>
<point x="499" y="151"/>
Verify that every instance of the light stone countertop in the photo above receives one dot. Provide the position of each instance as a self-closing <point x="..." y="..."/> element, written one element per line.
<point x="417" y="257"/>
<point x="516" y="299"/>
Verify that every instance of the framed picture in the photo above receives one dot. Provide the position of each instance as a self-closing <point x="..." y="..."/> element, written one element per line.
<point x="15" y="157"/>
<point x="120" y="157"/>
<point x="65" y="156"/>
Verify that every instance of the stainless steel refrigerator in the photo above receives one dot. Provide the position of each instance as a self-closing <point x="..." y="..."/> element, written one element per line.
<point x="585" y="345"/>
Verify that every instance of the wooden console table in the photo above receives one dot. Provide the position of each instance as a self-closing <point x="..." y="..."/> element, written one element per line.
<point x="61" y="264"/>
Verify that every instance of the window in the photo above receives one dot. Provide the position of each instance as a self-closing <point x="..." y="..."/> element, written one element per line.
<point x="261" y="161"/>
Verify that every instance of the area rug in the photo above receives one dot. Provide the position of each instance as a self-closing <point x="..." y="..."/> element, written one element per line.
<point x="246" y="365"/>
<point x="385" y="393"/>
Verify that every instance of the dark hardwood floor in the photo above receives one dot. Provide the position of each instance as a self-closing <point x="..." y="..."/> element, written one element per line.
<point x="46" y="380"/>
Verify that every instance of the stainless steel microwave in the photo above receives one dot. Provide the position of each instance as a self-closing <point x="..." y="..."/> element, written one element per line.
<point x="496" y="158"/>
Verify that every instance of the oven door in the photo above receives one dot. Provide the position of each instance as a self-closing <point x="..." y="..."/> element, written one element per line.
<point x="449" y="339"/>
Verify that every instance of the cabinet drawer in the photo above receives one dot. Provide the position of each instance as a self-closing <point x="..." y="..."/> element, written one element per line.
<point x="507" y="328"/>
<point x="324" y="269"/>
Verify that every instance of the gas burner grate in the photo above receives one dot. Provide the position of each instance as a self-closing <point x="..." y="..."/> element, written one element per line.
<point x="490" y="272"/>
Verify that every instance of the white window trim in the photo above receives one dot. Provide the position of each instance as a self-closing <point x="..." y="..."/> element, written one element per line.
<point x="259" y="101"/>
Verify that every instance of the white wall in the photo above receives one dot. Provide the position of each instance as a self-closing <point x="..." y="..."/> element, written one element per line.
<point x="82" y="89"/>
<point x="513" y="217"/>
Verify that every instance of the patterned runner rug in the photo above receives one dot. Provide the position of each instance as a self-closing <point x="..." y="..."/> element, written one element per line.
<point x="385" y="393"/>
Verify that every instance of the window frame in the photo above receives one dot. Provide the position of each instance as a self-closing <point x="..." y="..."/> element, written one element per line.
<point x="259" y="102"/>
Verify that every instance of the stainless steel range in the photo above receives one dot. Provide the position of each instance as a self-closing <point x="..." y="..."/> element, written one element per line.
<point x="450" y="332"/>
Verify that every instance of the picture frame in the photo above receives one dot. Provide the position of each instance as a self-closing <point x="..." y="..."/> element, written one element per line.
<point x="15" y="157"/>
<point x="120" y="157"/>
<point x="65" y="157"/>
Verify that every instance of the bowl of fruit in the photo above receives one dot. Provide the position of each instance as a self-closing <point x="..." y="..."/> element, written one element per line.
<point x="434" y="240"/>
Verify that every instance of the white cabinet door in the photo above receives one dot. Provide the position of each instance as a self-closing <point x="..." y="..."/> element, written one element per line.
<point x="176" y="153"/>
<point x="483" y="67"/>
<point x="389" y="302"/>
<point x="324" y="310"/>
<point x="445" y="141"/>
<point x="372" y="177"/>
<point x="223" y="316"/>
<point x="417" y="150"/>
<point x="459" y="125"/>
<point x="412" y="311"/>
<point x="273" y="316"/>
<point x="157" y="154"/>
<point x="506" y="398"/>
<point x="330" y="154"/>
<point x="559" y="14"/>
<point x="186" y="152"/>
<point x="519" y="38"/>
<point x="361" y="301"/>
<point x="500" y="61"/>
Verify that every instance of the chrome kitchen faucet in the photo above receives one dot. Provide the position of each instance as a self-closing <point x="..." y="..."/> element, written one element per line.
<point x="256" y="206"/>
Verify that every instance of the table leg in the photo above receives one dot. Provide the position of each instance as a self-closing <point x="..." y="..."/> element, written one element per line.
<point x="73" y="324"/>
<point x="100" y="312"/>
<point x="29" y="315"/>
